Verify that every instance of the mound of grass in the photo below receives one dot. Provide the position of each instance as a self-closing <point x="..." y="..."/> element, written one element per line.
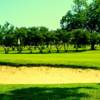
<point x="50" y="92"/>
<point x="88" y="59"/>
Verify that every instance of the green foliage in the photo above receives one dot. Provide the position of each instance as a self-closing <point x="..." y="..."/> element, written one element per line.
<point x="86" y="17"/>
<point x="93" y="40"/>
<point x="80" y="37"/>
<point x="75" y="18"/>
<point x="41" y="38"/>
<point x="93" y="16"/>
<point x="83" y="15"/>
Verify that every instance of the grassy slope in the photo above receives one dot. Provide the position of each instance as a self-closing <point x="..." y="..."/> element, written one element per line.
<point x="80" y="59"/>
<point x="50" y="92"/>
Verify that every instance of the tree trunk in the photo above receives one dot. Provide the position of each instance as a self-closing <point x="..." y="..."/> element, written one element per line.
<point x="19" y="49"/>
<point x="92" y="46"/>
<point x="49" y="48"/>
<point x="30" y="49"/>
<point x="57" y="48"/>
<point x="6" y="49"/>
<point x="41" y="49"/>
<point x="65" y="47"/>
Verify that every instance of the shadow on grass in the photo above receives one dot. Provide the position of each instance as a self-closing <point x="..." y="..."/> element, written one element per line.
<point x="37" y="93"/>
<point x="48" y="65"/>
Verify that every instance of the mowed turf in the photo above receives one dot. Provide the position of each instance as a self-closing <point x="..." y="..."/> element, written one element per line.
<point x="87" y="59"/>
<point x="50" y="92"/>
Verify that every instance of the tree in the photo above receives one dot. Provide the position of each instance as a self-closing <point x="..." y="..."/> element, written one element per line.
<point x="58" y="39"/>
<point x="43" y="32"/>
<point x="1" y="36"/>
<point x="75" y="18"/>
<point x="93" y="16"/>
<point x="79" y="5"/>
<point x="8" y="36"/>
<point x="49" y="40"/>
<point x="66" y="39"/>
<point x="94" y="40"/>
<point x="20" y="35"/>
<point x="80" y="38"/>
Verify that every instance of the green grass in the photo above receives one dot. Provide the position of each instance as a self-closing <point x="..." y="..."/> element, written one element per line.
<point x="50" y="92"/>
<point x="87" y="59"/>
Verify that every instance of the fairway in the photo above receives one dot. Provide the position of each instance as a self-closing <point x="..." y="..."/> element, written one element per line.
<point x="87" y="59"/>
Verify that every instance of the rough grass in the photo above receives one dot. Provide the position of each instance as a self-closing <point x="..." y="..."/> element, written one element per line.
<point x="50" y="92"/>
<point x="88" y="59"/>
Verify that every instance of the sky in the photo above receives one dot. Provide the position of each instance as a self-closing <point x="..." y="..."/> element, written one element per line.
<point x="34" y="12"/>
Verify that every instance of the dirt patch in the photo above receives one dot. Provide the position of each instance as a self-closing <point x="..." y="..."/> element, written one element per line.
<point x="47" y="75"/>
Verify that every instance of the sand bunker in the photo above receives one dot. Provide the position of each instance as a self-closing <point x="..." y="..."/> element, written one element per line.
<point x="47" y="75"/>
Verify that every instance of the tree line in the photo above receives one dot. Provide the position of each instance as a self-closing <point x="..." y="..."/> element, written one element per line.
<point x="79" y="27"/>
<point x="86" y="16"/>
<point x="43" y="38"/>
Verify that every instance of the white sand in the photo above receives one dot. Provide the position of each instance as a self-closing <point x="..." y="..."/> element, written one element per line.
<point x="47" y="75"/>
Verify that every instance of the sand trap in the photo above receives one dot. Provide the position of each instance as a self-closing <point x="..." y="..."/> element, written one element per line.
<point x="47" y="75"/>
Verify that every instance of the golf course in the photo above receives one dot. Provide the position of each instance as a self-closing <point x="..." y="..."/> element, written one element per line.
<point x="56" y="76"/>
<point x="49" y="49"/>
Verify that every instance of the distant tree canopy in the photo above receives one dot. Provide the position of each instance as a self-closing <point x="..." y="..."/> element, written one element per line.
<point x="83" y="16"/>
<point x="42" y="38"/>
